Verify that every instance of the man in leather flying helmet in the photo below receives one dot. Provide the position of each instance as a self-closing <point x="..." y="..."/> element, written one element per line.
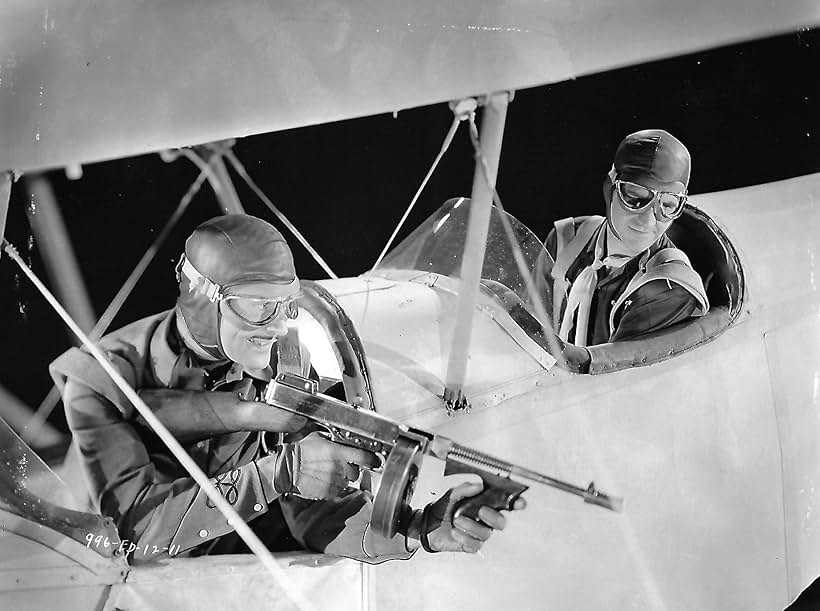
<point x="620" y="277"/>
<point x="237" y="290"/>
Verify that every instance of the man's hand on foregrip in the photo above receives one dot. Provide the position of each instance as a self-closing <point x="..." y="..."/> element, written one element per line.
<point x="193" y="415"/>
<point x="441" y="531"/>
<point x="315" y="467"/>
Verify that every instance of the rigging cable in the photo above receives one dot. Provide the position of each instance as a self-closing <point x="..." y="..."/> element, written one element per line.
<point x="462" y="110"/>
<point x="198" y="161"/>
<point x="217" y="174"/>
<point x="535" y="297"/>
<point x="242" y="529"/>
<point x="240" y="169"/>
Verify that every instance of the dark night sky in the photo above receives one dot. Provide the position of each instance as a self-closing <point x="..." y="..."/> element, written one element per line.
<point x="748" y="113"/>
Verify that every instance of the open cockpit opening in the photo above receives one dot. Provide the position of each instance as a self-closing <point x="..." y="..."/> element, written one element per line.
<point x="436" y="247"/>
<point x="716" y="261"/>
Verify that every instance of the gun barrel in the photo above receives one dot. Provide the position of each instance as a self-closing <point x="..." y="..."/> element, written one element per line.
<point x="505" y="469"/>
<point x="590" y="494"/>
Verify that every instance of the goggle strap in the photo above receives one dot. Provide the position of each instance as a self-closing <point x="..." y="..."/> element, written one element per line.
<point x="292" y="309"/>
<point x="205" y="286"/>
<point x="198" y="282"/>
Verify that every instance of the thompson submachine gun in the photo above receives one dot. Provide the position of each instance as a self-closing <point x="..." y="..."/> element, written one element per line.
<point x="403" y="447"/>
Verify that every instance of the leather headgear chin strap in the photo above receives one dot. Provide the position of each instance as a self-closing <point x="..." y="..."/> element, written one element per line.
<point x="223" y="252"/>
<point x="650" y="153"/>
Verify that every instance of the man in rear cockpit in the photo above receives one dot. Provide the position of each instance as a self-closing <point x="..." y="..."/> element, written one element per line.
<point x="201" y="366"/>
<point x="620" y="277"/>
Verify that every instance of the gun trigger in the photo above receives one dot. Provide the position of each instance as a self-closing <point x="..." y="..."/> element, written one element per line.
<point x="330" y="434"/>
<point x="382" y="460"/>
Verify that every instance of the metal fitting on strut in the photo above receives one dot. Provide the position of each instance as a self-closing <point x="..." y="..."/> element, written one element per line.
<point x="464" y="108"/>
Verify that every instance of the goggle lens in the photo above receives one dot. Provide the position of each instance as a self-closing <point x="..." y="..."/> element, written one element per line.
<point x="260" y="311"/>
<point x="635" y="198"/>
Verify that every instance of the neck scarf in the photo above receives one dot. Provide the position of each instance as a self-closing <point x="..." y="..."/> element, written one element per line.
<point x="580" y="295"/>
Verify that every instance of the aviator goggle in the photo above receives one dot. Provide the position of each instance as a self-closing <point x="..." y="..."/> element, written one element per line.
<point x="252" y="309"/>
<point x="637" y="198"/>
<point x="259" y="311"/>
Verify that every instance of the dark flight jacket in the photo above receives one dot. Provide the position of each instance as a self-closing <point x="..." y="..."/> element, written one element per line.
<point x="675" y="294"/>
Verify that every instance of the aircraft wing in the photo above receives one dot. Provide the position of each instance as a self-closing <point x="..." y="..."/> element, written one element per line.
<point x="84" y="81"/>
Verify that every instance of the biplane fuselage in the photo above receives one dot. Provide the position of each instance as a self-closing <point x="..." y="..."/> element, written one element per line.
<point x="713" y="444"/>
<point x="714" y="450"/>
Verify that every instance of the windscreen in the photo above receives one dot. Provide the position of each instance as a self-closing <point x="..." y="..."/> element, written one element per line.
<point x="437" y="246"/>
<point x="24" y="476"/>
<point x="31" y="490"/>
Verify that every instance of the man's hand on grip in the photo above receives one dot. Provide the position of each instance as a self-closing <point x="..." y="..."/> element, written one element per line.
<point x="442" y="531"/>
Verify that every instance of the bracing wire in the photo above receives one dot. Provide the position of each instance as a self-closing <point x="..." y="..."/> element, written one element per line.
<point x="203" y="166"/>
<point x="130" y="283"/>
<point x="240" y="169"/>
<point x="217" y="174"/>
<point x="535" y="298"/>
<point x="242" y="529"/>
<point x="444" y="146"/>
<point x="52" y="398"/>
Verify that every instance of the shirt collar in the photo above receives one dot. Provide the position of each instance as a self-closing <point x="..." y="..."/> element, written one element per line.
<point x="174" y="364"/>
<point x="163" y="357"/>
<point x="237" y="372"/>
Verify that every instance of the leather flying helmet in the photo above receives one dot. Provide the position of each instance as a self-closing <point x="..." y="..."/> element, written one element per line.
<point x="221" y="253"/>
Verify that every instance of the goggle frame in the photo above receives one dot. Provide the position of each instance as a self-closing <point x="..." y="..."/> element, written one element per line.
<point x="215" y="293"/>
<point x="289" y="303"/>
<point x="655" y="201"/>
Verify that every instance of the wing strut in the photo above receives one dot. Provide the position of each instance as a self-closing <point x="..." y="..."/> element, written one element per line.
<point x="50" y="401"/>
<point x="55" y="246"/>
<point x="492" y="132"/>
<point x="12" y="409"/>
<point x="208" y="158"/>
<point x="217" y="171"/>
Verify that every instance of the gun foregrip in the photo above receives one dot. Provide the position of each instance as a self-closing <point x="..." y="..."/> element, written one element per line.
<point x="499" y="493"/>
